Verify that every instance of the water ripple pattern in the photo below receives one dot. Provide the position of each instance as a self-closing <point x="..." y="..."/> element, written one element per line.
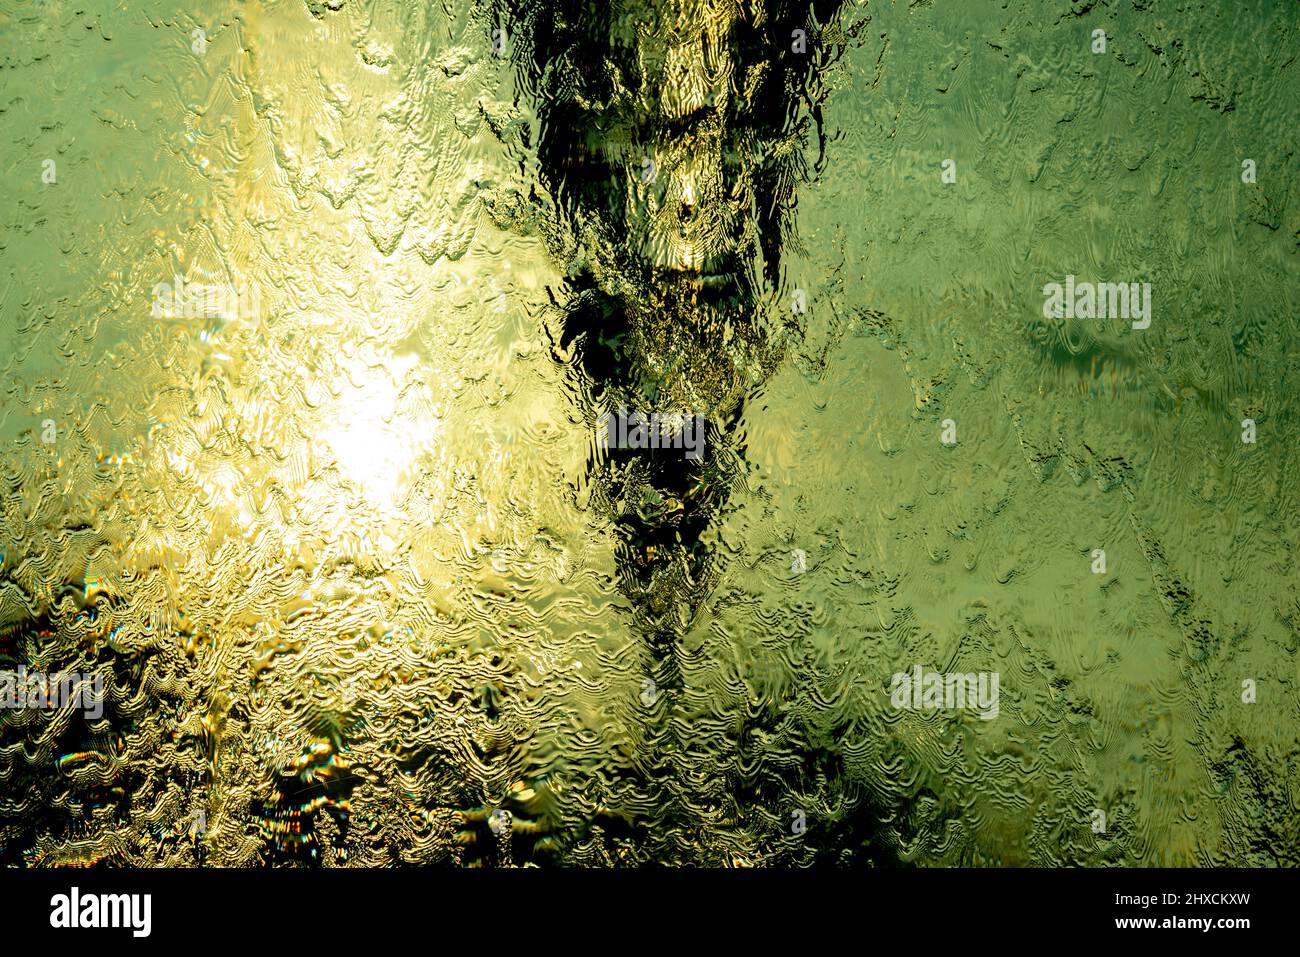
<point x="300" y="455"/>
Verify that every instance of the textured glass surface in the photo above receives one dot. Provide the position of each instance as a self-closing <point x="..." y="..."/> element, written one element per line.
<point x="310" y="313"/>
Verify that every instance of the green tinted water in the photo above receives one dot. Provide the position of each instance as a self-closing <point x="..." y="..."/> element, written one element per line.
<point x="329" y="527"/>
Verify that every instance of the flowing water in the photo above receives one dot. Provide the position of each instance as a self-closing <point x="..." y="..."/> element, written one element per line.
<point x="312" y="319"/>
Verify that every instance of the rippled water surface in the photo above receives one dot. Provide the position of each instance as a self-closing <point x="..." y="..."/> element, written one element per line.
<point x="309" y="316"/>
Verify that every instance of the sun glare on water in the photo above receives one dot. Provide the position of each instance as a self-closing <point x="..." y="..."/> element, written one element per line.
<point x="373" y="435"/>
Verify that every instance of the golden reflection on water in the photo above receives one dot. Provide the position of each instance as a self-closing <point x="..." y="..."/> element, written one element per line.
<point x="338" y="532"/>
<point x="374" y="444"/>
